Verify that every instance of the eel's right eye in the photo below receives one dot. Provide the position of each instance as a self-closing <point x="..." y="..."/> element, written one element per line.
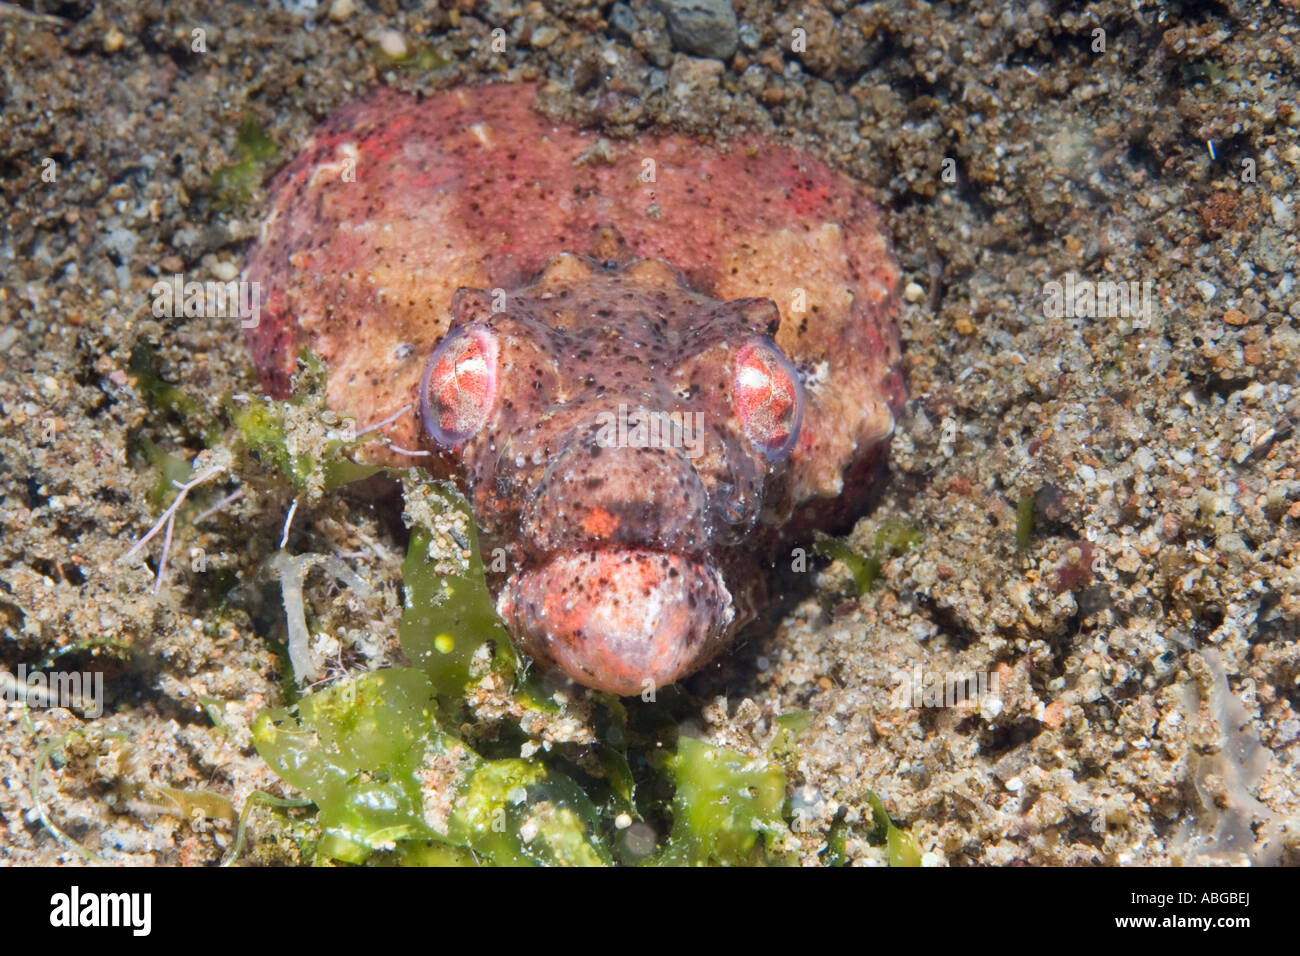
<point x="768" y="398"/>
<point x="459" y="388"/>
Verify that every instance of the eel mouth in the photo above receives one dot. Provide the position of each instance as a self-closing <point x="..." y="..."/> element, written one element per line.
<point x="622" y="620"/>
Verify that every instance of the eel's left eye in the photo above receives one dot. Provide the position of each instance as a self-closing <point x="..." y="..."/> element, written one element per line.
<point x="459" y="387"/>
<point x="768" y="398"/>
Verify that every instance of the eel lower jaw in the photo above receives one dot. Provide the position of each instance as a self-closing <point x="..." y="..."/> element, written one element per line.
<point x="622" y="620"/>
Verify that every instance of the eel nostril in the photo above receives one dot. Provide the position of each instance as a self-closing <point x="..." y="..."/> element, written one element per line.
<point x="735" y="508"/>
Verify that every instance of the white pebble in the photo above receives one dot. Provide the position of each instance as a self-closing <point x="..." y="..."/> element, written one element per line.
<point x="543" y="37"/>
<point x="1208" y="290"/>
<point x="1282" y="214"/>
<point x="913" y="292"/>
<point x="393" y="44"/>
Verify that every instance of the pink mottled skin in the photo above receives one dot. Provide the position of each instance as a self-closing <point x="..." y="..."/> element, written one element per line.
<point x="515" y="284"/>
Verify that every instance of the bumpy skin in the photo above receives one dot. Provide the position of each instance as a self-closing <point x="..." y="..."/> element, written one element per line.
<point x="646" y="275"/>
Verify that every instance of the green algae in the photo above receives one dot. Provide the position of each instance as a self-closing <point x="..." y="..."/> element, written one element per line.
<point x="727" y="808"/>
<point x="420" y="59"/>
<point x="256" y="798"/>
<point x="392" y="787"/>
<point x="171" y="470"/>
<point x="448" y="619"/>
<point x="159" y="394"/>
<point x="232" y="185"/>
<point x="892" y="539"/>
<point x="788" y="728"/>
<point x="449" y="625"/>
<point x="901" y="845"/>
<point x="170" y="403"/>
<point x="369" y="751"/>
<point x="262" y="425"/>
<point x="612" y="756"/>
<point x="112" y="645"/>
<point x="354" y="749"/>
<point x="47" y="753"/>
<point x="1024" y="522"/>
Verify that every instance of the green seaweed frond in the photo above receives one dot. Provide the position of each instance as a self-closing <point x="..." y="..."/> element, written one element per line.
<point x="1024" y="522"/>
<point x="233" y="184"/>
<point x="901" y="845"/>
<point x="371" y="755"/>
<point x="301" y="437"/>
<point x="892" y="539"/>
<point x="727" y="810"/>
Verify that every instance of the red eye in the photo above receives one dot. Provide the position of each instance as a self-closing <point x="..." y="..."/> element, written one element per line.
<point x="768" y="398"/>
<point x="460" y="385"/>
